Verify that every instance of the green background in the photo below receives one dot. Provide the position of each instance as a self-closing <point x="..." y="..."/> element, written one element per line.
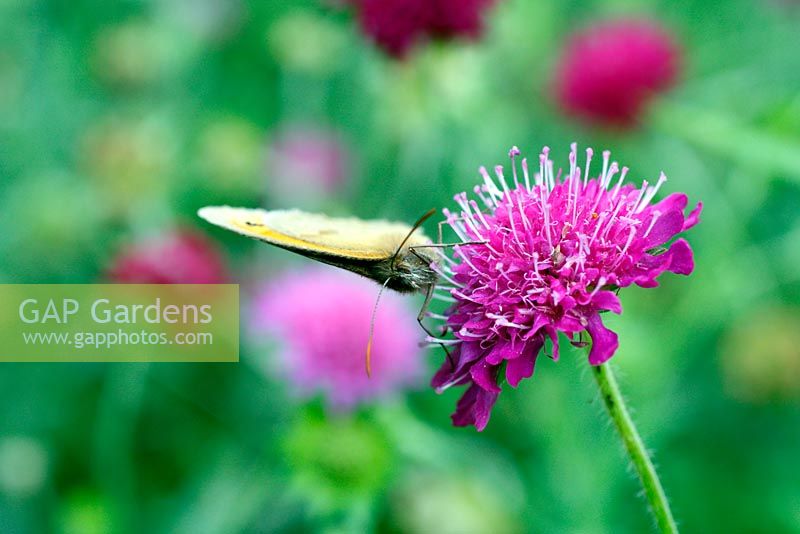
<point x="119" y="119"/>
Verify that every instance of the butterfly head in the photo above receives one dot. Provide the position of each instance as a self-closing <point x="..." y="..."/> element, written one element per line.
<point x="410" y="270"/>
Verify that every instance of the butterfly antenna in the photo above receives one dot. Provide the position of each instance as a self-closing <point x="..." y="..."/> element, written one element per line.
<point x="372" y="329"/>
<point x="417" y="224"/>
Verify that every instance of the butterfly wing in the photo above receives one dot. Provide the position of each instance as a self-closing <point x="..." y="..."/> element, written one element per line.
<point x="334" y="240"/>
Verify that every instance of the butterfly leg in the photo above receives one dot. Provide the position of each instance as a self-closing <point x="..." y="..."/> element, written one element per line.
<point x="449" y="245"/>
<point x="455" y="219"/>
<point x="421" y="315"/>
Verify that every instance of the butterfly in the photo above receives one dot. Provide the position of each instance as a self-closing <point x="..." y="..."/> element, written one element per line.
<point x="396" y="255"/>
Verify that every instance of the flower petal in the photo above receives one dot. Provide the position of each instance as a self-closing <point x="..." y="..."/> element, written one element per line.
<point x="503" y="350"/>
<point x="540" y="320"/>
<point x="474" y="408"/>
<point x="673" y="201"/>
<point x="568" y="324"/>
<point x="604" y="341"/>
<point x="681" y="258"/>
<point x="522" y="367"/>
<point x="485" y="375"/>
<point x="667" y="225"/>
<point x="607" y="300"/>
<point x="678" y="259"/>
<point x="519" y="368"/>
<point x="553" y="334"/>
<point x="456" y="373"/>
<point x="693" y="218"/>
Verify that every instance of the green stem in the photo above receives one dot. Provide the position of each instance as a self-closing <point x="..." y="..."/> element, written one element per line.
<point x="609" y="391"/>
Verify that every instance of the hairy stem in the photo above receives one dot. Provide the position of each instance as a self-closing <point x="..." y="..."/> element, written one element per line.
<point x="612" y="398"/>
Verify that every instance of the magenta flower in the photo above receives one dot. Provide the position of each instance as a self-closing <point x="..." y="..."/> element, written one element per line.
<point x="322" y="318"/>
<point x="180" y="257"/>
<point x="397" y="25"/>
<point x="550" y="257"/>
<point x="609" y="72"/>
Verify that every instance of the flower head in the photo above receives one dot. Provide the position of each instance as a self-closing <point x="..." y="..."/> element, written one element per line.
<point x="397" y="25"/>
<point x="180" y="257"/>
<point x="543" y="255"/>
<point x="608" y="73"/>
<point x="322" y="319"/>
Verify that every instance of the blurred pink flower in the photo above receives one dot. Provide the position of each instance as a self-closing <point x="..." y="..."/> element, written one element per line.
<point x="553" y="252"/>
<point x="607" y="73"/>
<point x="397" y="25"/>
<point x="306" y="164"/>
<point x="321" y="317"/>
<point x="180" y="257"/>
